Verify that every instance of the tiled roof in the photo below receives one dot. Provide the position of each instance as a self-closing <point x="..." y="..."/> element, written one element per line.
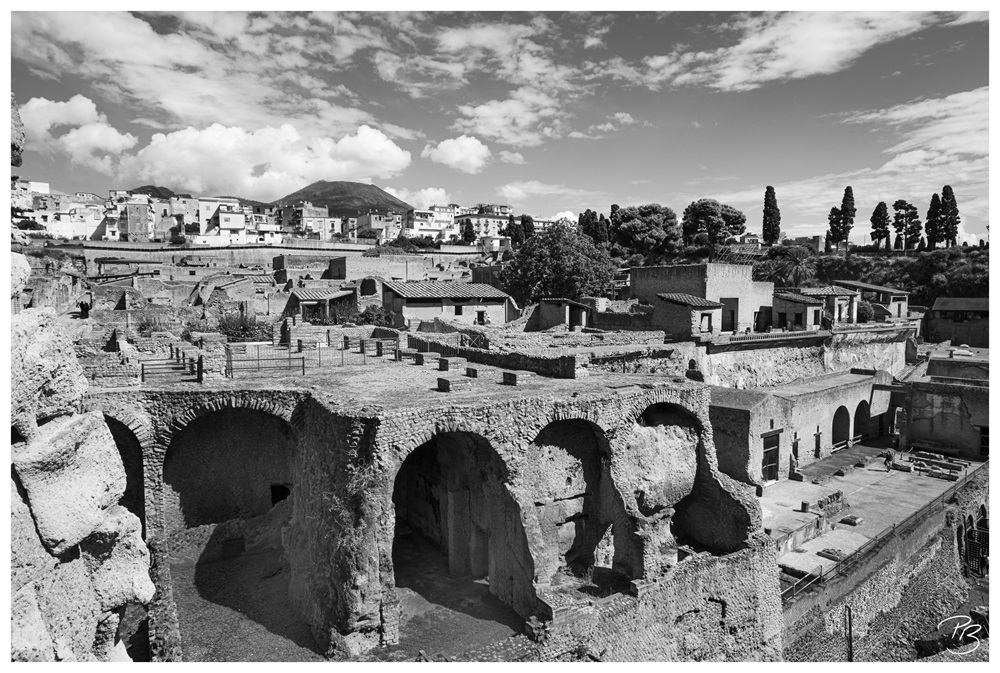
<point x="962" y="304"/>
<point x="563" y="300"/>
<point x="320" y="294"/>
<point x="689" y="300"/>
<point x="868" y="287"/>
<point x="444" y="290"/>
<point x="798" y="298"/>
<point x="827" y="291"/>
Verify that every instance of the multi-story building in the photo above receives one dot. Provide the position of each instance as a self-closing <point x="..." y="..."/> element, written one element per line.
<point x="483" y="225"/>
<point x="438" y="222"/>
<point x="209" y="206"/>
<point x="387" y="225"/>
<point x="135" y="222"/>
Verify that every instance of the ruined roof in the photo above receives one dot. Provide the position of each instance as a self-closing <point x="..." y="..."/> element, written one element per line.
<point x="563" y="300"/>
<point x="321" y="294"/>
<point x="882" y="310"/>
<point x="444" y="290"/>
<point x="798" y="298"/>
<point x="818" y="384"/>
<point x="827" y="291"/>
<point x="868" y="287"/>
<point x="689" y="300"/>
<point x="962" y="304"/>
<point x="733" y="398"/>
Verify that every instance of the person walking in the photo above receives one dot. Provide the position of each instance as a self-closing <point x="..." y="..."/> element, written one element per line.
<point x="888" y="459"/>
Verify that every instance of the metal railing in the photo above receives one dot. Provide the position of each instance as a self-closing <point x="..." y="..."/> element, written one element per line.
<point x="309" y="355"/>
<point x="843" y="566"/>
<point x="185" y="368"/>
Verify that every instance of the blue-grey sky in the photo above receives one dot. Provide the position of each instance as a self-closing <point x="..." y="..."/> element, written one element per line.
<point x="552" y="113"/>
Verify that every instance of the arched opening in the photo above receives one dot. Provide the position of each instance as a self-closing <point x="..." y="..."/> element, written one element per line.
<point x="984" y="520"/>
<point x="585" y="543"/>
<point x="228" y="490"/>
<point x="368" y="287"/>
<point x="460" y="556"/>
<point x="841" y="428"/>
<point x="970" y="523"/>
<point x="134" y="498"/>
<point x="960" y="537"/>
<point x="862" y="421"/>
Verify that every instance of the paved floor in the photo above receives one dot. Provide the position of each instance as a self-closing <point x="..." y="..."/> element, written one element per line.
<point x="880" y="498"/>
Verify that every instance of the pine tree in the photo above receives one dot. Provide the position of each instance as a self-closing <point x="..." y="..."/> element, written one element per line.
<point x="772" y="217"/>
<point x="907" y="223"/>
<point x="469" y="232"/>
<point x="847" y="213"/>
<point x="880" y="225"/>
<point x="949" y="216"/>
<point x="932" y="226"/>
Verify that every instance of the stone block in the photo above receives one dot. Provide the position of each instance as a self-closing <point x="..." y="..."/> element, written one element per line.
<point x="472" y="372"/>
<point x="902" y="467"/>
<point x="29" y="561"/>
<point x="449" y="385"/>
<point x="832" y="554"/>
<point x="71" y="472"/>
<point x="19" y="273"/>
<point x="70" y="610"/>
<point x="118" y="560"/>
<point x="29" y="637"/>
<point x="852" y="520"/>
<point x="449" y="364"/>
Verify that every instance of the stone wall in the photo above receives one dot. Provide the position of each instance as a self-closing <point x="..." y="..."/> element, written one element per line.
<point x="945" y="415"/>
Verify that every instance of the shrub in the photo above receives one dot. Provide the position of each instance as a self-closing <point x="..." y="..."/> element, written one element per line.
<point x="240" y="327"/>
<point x="866" y="313"/>
<point x="151" y="323"/>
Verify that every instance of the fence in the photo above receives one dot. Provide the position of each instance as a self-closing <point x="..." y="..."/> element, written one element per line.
<point x="843" y="566"/>
<point x="182" y="368"/>
<point x="248" y="358"/>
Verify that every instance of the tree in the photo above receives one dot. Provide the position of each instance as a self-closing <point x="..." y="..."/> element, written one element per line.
<point x="590" y="225"/>
<point x="736" y="221"/>
<point x="558" y="262"/>
<point x="866" y="313"/>
<point x="934" y="226"/>
<point x="469" y="232"/>
<point x="922" y="245"/>
<point x="650" y="230"/>
<point x="514" y="231"/>
<point x="604" y="228"/>
<point x="772" y="217"/>
<point x="527" y="226"/>
<point x="906" y="222"/>
<point x="834" y="234"/>
<point x="847" y="213"/>
<point x="797" y="266"/>
<point x="703" y="216"/>
<point x="880" y="224"/>
<point x="950" y="218"/>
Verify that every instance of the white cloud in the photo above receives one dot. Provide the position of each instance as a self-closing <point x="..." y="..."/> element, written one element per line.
<point x="264" y="164"/>
<point x="623" y="118"/>
<point x="525" y="119"/>
<point x="518" y="192"/>
<point x="89" y="141"/>
<point x="940" y="141"/>
<point x="465" y="153"/>
<point x="568" y="214"/>
<point x="422" y="198"/>
<point x="778" y="46"/>
<point x="511" y="157"/>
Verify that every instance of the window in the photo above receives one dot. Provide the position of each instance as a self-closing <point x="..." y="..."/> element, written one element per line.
<point x="798" y="318"/>
<point x="458" y="310"/>
<point x="782" y="319"/>
<point x="984" y="442"/>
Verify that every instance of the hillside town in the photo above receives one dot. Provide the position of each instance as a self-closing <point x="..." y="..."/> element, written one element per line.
<point x="337" y="427"/>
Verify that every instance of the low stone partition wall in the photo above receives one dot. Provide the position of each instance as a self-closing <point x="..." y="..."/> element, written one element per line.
<point x="332" y="335"/>
<point x="553" y="365"/>
<point x="108" y="371"/>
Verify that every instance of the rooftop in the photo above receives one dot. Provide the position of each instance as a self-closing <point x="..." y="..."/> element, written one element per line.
<point x="563" y="300"/>
<point x="689" y="300"/>
<point x="733" y="398"/>
<point x="827" y="291"/>
<point x="868" y="287"/>
<point x="444" y="290"/>
<point x="818" y="384"/>
<point x="798" y="298"/>
<point x="962" y="304"/>
<point x="321" y="294"/>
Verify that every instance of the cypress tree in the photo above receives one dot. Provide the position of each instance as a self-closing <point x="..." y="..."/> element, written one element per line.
<point x="834" y="235"/>
<point x="772" y="217"/>
<point x="932" y="226"/>
<point x="949" y="216"/>
<point x="880" y="225"/>
<point x="847" y="213"/>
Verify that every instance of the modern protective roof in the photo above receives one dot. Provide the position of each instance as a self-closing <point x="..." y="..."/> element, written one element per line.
<point x="868" y="287"/>
<point x="444" y="290"/>
<point x="733" y="398"/>
<point x="689" y="300"/>
<point x="962" y="304"/>
<point x="563" y="300"/>
<point x="882" y="310"/>
<point x="798" y="298"/>
<point x="827" y="291"/>
<point x="321" y="294"/>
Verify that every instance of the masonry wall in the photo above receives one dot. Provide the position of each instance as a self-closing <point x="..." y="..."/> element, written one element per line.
<point x="680" y="322"/>
<point x="736" y="281"/>
<point x="946" y="415"/>
<point x="446" y="310"/>
<point x="971" y="332"/>
<point x="648" y="281"/>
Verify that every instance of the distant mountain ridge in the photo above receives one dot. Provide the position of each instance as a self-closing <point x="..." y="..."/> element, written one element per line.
<point x="158" y="192"/>
<point x="347" y="199"/>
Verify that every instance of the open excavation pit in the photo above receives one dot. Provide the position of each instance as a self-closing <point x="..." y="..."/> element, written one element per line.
<point x="298" y="524"/>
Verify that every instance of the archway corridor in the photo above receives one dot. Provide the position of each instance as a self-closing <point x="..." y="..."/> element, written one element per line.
<point x="459" y="554"/>
<point x="228" y="488"/>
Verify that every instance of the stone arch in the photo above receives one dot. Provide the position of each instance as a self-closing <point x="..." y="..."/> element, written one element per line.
<point x="841" y="434"/>
<point x="259" y="401"/>
<point x="220" y="464"/>
<point x="983" y="521"/>
<point x="862" y="420"/>
<point x="452" y="490"/>
<point x="368" y="287"/>
<point x="970" y="523"/>
<point x="130" y="450"/>
<point x="578" y="517"/>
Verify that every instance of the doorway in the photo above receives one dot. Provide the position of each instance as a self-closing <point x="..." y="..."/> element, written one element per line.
<point x="769" y="464"/>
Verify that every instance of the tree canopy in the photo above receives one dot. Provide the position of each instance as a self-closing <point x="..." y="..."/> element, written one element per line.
<point x="950" y="218"/>
<point x="933" y="225"/>
<point x="906" y="222"/>
<point x="772" y="217"/>
<point x="880" y="224"/>
<point x="558" y="262"/>
<point x="649" y="229"/>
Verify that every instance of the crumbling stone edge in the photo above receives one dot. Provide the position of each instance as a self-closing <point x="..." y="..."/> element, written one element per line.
<point x="164" y="628"/>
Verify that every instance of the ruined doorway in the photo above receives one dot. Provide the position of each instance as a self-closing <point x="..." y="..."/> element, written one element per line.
<point x="130" y="451"/>
<point x="730" y="312"/>
<point x="368" y="287"/>
<point x="841" y="428"/>
<point x="769" y="463"/>
<point x="460" y="557"/>
<point x="862" y="421"/>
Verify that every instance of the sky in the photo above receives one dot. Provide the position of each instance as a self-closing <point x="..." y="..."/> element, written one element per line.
<point x="552" y="113"/>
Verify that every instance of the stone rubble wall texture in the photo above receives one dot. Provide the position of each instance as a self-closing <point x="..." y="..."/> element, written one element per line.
<point x="77" y="557"/>
<point x="338" y="542"/>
